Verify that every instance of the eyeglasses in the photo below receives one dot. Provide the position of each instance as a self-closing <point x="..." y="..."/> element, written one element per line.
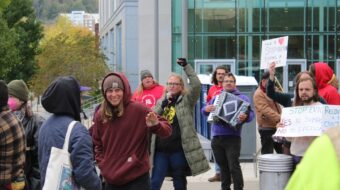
<point x="228" y="81"/>
<point x="173" y="84"/>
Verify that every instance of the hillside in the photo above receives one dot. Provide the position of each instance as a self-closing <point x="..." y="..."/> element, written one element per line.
<point x="48" y="10"/>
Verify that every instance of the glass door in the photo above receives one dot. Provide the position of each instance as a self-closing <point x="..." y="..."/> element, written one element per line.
<point x="293" y="67"/>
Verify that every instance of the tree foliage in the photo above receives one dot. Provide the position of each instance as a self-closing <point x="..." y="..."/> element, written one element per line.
<point x="25" y="32"/>
<point x="4" y="4"/>
<point x="9" y="54"/>
<point x="68" y="50"/>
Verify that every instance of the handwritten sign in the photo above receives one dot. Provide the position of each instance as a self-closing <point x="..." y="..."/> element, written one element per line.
<point x="308" y="120"/>
<point x="274" y="50"/>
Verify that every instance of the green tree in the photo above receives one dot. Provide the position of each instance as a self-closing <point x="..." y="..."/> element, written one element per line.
<point x="21" y="20"/>
<point x="4" y="4"/>
<point x="68" y="50"/>
<point x="9" y="54"/>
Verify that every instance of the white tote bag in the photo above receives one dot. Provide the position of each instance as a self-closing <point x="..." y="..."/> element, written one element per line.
<point x="59" y="168"/>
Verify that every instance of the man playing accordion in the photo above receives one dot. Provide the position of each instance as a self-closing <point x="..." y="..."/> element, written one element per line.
<point x="226" y="141"/>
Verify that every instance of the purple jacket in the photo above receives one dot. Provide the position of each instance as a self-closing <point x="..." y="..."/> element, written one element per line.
<point x="219" y="129"/>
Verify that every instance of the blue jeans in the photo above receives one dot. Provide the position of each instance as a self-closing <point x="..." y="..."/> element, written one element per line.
<point x="175" y="163"/>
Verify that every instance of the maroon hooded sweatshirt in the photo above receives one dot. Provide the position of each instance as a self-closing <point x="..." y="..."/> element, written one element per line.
<point x="121" y="144"/>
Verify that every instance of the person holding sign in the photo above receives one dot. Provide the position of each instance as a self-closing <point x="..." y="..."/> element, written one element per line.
<point x="226" y="141"/>
<point x="306" y="95"/>
<point x="268" y="115"/>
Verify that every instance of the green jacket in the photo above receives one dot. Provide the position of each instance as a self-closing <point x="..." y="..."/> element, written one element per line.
<point x="320" y="166"/>
<point x="185" y="107"/>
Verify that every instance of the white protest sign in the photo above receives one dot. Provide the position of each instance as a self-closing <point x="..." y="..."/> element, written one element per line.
<point x="308" y="120"/>
<point x="274" y="50"/>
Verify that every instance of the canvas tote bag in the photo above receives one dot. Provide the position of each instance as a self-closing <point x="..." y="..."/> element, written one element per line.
<point x="59" y="168"/>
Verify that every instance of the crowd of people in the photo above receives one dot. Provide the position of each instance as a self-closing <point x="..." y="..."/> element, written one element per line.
<point x="139" y="138"/>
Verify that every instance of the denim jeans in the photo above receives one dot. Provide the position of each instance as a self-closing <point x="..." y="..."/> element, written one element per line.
<point x="141" y="183"/>
<point x="227" y="152"/>
<point x="268" y="143"/>
<point x="175" y="163"/>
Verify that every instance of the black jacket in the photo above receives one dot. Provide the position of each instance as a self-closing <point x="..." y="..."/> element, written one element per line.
<point x="32" y="172"/>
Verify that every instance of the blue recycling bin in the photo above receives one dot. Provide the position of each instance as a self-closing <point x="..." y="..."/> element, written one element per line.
<point x="202" y="127"/>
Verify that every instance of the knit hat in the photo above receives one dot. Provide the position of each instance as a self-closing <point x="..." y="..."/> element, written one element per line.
<point x="18" y="89"/>
<point x="3" y="93"/>
<point x="144" y="74"/>
<point x="112" y="81"/>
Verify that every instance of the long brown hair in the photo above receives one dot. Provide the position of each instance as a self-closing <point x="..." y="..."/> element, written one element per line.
<point x="213" y="77"/>
<point x="108" y="112"/>
<point x="297" y="99"/>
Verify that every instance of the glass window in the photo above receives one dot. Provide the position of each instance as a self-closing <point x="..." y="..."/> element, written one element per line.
<point x="257" y="42"/>
<point x="242" y="68"/>
<point x="219" y="16"/>
<point x="338" y="17"/>
<point x="329" y="47"/>
<point x="219" y="47"/>
<point x="285" y="15"/>
<point x="296" y="47"/>
<point x="338" y="47"/>
<point x="329" y="16"/>
<point x="249" y="15"/>
<point x="242" y="48"/>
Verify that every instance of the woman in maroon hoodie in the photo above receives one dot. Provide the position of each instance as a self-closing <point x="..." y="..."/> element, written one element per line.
<point x="121" y="134"/>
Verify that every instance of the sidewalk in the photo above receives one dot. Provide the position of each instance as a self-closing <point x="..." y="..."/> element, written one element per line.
<point x="200" y="182"/>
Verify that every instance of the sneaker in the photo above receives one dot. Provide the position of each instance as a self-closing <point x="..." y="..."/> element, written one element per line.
<point x="215" y="178"/>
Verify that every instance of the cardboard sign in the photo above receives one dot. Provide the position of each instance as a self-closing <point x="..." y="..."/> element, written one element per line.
<point x="274" y="50"/>
<point x="308" y="120"/>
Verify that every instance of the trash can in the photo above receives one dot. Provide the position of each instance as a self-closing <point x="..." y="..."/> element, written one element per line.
<point x="275" y="171"/>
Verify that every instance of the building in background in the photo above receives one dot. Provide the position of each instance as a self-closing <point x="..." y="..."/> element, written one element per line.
<point x="118" y="33"/>
<point x="138" y="35"/>
<point x="80" y="18"/>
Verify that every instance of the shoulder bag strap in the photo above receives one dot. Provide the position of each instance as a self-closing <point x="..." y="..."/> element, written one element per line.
<point x="68" y="134"/>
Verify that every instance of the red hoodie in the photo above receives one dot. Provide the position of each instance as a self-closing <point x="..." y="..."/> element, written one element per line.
<point x="213" y="91"/>
<point x="149" y="96"/>
<point x="323" y="74"/>
<point x="121" y="144"/>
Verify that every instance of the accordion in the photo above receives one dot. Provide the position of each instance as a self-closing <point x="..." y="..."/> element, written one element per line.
<point x="228" y="107"/>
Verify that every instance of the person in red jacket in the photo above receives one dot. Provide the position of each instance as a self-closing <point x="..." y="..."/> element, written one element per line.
<point x="217" y="80"/>
<point x="148" y="91"/>
<point x="324" y="77"/>
<point x="120" y="135"/>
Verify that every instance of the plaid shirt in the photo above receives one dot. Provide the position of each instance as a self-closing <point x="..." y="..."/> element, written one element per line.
<point x="12" y="147"/>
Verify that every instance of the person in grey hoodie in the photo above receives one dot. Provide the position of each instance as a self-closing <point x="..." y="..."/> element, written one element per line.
<point x="62" y="99"/>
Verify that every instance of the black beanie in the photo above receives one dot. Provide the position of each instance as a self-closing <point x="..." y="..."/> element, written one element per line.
<point x="3" y="94"/>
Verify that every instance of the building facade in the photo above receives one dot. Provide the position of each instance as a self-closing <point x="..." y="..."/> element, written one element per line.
<point x="118" y="33"/>
<point x="80" y="18"/>
<point x="226" y="32"/>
